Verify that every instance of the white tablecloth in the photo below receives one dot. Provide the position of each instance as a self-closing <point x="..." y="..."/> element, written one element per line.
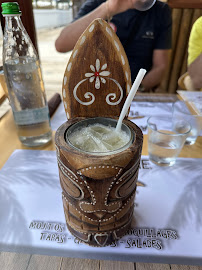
<point x="167" y="213"/>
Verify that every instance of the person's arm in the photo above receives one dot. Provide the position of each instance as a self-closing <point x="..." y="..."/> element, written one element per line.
<point x="70" y="34"/>
<point x="155" y="75"/>
<point x="195" y="72"/>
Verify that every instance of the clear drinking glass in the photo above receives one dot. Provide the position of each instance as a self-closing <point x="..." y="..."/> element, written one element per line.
<point x="166" y="137"/>
<point x="144" y="5"/>
<point x="183" y="110"/>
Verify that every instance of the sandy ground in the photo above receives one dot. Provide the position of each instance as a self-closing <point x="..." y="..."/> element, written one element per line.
<point x="53" y="63"/>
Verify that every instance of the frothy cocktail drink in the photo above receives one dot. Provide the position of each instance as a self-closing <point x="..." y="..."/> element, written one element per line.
<point x="97" y="137"/>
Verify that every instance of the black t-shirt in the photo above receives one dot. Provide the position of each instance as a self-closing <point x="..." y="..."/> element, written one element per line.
<point x="139" y="32"/>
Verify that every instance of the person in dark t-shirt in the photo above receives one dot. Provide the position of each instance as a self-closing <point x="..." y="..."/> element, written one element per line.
<point x="145" y="35"/>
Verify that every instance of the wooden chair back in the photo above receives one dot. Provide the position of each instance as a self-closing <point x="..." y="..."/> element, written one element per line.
<point x="184" y="15"/>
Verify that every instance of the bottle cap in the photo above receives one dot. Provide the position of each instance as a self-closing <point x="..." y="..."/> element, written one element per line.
<point x="10" y="8"/>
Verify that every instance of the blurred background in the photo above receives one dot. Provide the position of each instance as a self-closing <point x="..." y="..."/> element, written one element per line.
<point x="44" y="20"/>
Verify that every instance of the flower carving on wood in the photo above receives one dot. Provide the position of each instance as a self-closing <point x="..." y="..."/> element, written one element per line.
<point x="97" y="74"/>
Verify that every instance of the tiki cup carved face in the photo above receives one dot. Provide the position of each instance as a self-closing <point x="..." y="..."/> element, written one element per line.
<point x="98" y="190"/>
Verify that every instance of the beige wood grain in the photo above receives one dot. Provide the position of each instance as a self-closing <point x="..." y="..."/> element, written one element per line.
<point x="9" y="140"/>
<point x="152" y="266"/>
<point x="115" y="265"/>
<point x="180" y="49"/>
<point x="14" y="261"/>
<point x="176" y="21"/>
<point x="40" y="262"/>
<point x="79" y="264"/>
<point x="185" y="267"/>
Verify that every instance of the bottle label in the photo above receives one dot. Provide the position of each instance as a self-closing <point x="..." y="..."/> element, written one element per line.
<point x="31" y="116"/>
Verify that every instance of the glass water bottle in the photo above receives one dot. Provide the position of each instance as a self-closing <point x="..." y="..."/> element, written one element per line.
<point x="24" y="80"/>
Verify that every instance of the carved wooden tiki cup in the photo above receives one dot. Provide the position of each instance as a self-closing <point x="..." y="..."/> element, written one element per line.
<point x="98" y="190"/>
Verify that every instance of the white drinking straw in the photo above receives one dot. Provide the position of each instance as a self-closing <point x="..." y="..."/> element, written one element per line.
<point x="130" y="97"/>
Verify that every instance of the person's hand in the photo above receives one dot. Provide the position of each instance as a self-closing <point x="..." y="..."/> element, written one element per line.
<point x="118" y="6"/>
